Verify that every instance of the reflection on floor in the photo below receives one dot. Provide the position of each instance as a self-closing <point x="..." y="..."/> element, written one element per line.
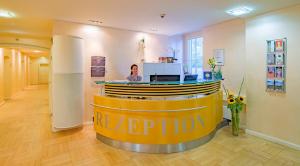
<point x="26" y="139"/>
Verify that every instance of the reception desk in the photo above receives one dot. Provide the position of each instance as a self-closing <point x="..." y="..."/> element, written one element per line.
<point x="161" y="117"/>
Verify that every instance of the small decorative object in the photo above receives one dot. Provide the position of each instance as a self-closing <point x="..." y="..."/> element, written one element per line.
<point x="207" y="75"/>
<point x="235" y="104"/>
<point x="276" y="65"/>
<point x="216" y="74"/>
<point x="141" y="50"/>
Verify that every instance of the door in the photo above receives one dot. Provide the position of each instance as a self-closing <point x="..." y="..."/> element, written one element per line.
<point x="43" y="73"/>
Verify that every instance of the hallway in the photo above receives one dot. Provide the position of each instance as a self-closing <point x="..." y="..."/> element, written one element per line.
<point x="26" y="139"/>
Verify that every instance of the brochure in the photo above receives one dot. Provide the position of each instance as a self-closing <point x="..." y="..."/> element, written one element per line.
<point x="279" y="73"/>
<point x="279" y="84"/>
<point x="271" y="59"/>
<point x="270" y="84"/>
<point x="271" y="72"/>
<point x="279" y="45"/>
<point x="279" y="58"/>
<point x="271" y="46"/>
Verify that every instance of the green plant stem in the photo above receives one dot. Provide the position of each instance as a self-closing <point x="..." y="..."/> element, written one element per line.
<point x="241" y="87"/>
<point x="226" y="90"/>
<point x="235" y="120"/>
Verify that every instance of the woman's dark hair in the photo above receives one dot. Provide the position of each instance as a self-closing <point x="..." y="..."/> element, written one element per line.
<point x="132" y="68"/>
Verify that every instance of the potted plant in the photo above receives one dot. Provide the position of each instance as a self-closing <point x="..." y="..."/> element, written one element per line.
<point x="216" y="74"/>
<point x="236" y="105"/>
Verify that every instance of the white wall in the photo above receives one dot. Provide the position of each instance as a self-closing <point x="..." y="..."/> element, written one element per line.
<point x="176" y="43"/>
<point x="277" y="115"/>
<point x="120" y="47"/>
<point x="34" y="69"/>
<point x="230" y="36"/>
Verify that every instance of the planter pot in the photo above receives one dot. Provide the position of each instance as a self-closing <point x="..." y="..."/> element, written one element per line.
<point x="235" y="122"/>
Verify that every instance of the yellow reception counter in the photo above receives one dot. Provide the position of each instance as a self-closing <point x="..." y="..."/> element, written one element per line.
<point x="161" y="117"/>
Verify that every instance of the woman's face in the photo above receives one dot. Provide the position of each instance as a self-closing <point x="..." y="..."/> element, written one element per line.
<point x="134" y="70"/>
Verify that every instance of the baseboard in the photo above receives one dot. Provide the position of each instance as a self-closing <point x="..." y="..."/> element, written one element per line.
<point x="273" y="139"/>
<point x="88" y="123"/>
<point x="54" y="129"/>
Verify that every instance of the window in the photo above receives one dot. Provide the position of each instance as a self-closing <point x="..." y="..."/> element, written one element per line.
<point x="195" y="56"/>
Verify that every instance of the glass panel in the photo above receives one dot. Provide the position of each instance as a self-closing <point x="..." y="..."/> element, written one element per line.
<point x="195" y="56"/>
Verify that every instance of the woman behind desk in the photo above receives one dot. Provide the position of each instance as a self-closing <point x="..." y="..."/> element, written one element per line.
<point x="134" y="74"/>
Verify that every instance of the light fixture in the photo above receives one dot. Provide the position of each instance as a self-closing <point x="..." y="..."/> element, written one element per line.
<point x="37" y="51"/>
<point x="162" y="15"/>
<point x="95" y="21"/>
<point x="239" y="11"/>
<point x="6" y="14"/>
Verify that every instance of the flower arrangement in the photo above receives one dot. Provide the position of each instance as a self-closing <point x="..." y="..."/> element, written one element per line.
<point x="235" y="104"/>
<point x="212" y="64"/>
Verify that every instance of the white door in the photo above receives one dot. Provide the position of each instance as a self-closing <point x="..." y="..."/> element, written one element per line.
<point x="43" y="73"/>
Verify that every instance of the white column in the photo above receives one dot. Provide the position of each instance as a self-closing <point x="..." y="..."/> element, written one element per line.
<point x="67" y="82"/>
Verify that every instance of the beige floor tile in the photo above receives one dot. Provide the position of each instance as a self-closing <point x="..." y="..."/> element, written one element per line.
<point x="27" y="139"/>
<point x="290" y="154"/>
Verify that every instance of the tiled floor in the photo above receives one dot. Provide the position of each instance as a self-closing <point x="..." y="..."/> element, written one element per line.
<point x="26" y="139"/>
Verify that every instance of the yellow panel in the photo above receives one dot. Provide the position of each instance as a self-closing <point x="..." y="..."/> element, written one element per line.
<point x="157" y="121"/>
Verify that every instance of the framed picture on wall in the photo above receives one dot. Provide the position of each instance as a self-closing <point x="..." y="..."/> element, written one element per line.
<point x="97" y="66"/>
<point x="97" y="61"/>
<point x="97" y="71"/>
<point x="219" y="56"/>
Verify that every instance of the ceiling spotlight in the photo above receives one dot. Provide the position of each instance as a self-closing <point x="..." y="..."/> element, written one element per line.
<point x="239" y="11"/>
<point x="6" y="14"/>
<point x="95" y="21"/>
<point x="162" y="15"/>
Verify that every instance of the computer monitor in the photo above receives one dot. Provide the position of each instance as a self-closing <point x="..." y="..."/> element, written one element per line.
<point x="191" y="77"/>
<point x="164" y="78"/>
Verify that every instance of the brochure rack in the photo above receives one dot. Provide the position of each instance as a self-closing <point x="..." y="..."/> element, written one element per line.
<point x="276" y="65"/>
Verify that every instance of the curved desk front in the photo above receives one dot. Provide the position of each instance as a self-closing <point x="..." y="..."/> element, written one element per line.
<point x="158" y="118"/>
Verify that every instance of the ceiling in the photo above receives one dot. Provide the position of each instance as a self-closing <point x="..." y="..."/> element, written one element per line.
<point x="34" y="53"/>
<point x="27" y="27"/>
<point x="182" y="16"/>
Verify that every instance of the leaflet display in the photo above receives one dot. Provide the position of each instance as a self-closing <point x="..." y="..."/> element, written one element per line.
<point x="276" y="65"/>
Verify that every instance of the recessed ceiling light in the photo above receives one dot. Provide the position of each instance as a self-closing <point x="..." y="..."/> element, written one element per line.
<point x="6" y="14"/>
<point x="153" y="29"/>
<point x="239" y="11"/>
<point x="95" y="21"/>
<point x="37" y="51"/>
